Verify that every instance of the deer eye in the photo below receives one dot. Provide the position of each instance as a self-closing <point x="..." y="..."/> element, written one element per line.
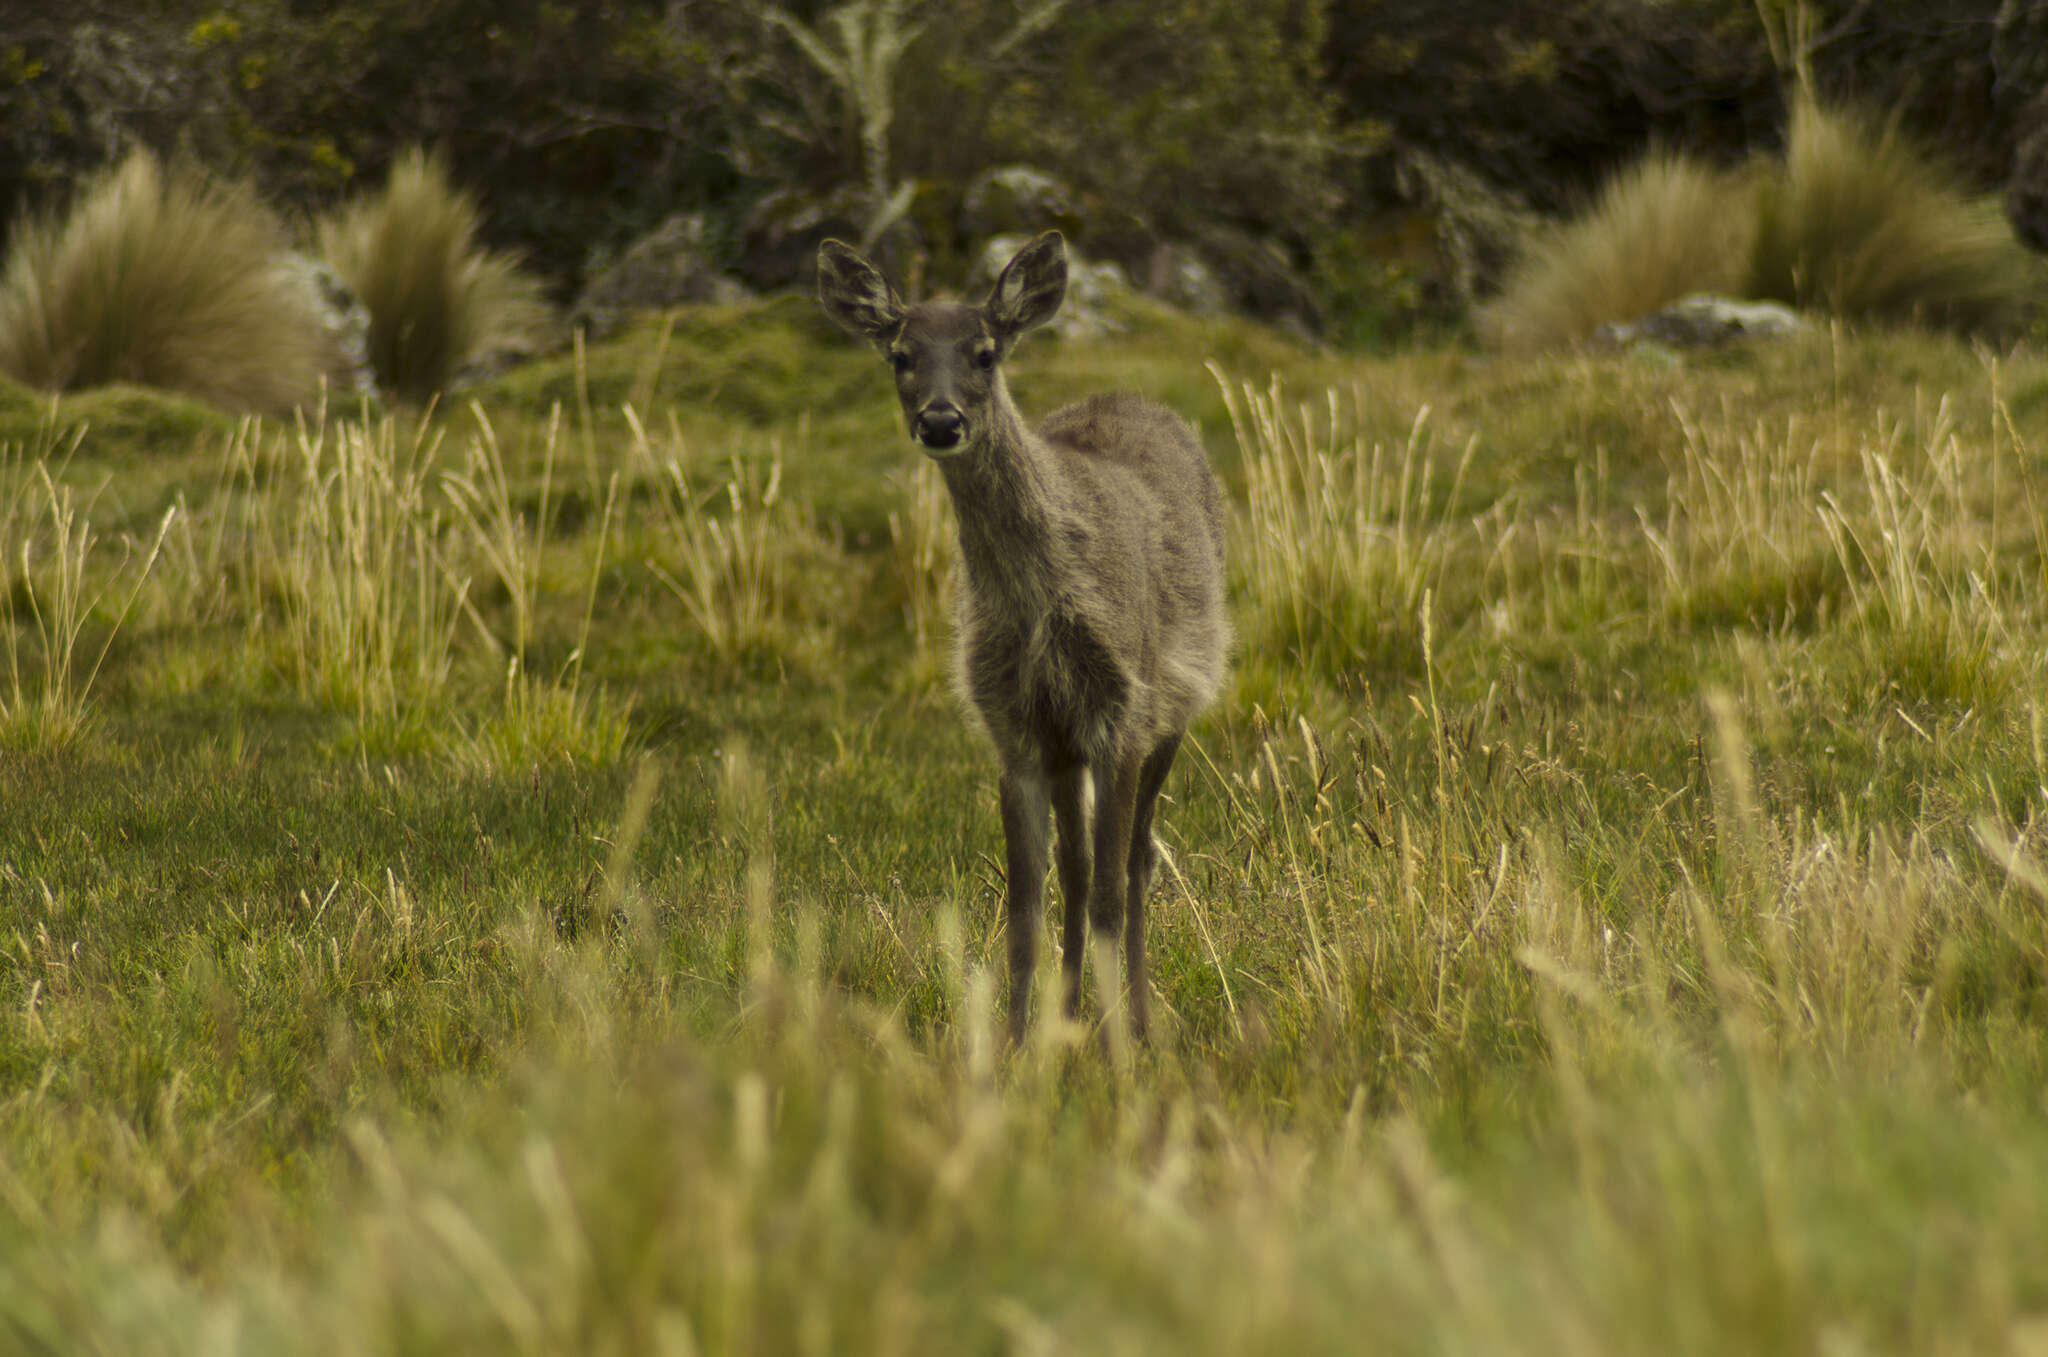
<point x="984" y="359"/>
<point x="900" y="361"/>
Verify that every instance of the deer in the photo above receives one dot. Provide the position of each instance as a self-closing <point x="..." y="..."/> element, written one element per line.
<point x="1090" y="624"/>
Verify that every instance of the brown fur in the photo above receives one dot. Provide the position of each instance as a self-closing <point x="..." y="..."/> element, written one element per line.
<point x="1091" y="622"/>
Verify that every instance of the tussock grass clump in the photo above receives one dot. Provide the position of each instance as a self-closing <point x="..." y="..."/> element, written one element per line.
<point x="353" y="552"/>
<point x="1856" y="221"/>
<point x="1664" y="228"/>
<point x="437" y="299"/>
<point x="162" y="277"/>
<point x="53" y="584"/>
<point x="1869" y="226"/>
<point x="1345" y="540"/>
<point x="738" y="553"/>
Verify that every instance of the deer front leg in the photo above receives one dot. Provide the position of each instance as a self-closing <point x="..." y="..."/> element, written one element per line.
<point x="1116" y="795"/>
<point x="1024" y="831"/>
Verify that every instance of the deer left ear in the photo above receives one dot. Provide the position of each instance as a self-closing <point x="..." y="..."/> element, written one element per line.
<point x="1030" y="288"/>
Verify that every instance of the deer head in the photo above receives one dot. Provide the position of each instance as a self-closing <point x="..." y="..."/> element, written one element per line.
<point x="946" y="356"/>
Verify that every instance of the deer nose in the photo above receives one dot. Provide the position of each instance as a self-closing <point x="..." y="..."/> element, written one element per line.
<point x="940" y="426"/>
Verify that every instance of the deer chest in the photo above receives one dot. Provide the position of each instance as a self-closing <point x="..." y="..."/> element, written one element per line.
<point x="1055" y="684"/>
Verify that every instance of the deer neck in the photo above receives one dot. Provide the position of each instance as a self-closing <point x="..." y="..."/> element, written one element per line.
<point x="1004" y="487"/>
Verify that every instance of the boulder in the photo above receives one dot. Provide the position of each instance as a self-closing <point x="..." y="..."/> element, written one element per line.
<point x="1260" y="281"/>
<point x="1176" y="274"/>
<point x="1703" y="321"/>
<point x="1018" y="200"/>
<point x="668" y="266"/>
<point x="2026" y="187"/>
<point x="334" y="305"/>
<point x="780" y="237"/>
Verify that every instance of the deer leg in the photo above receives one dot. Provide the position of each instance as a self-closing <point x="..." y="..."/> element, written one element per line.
<point x="1070" y="812"/>
<point x="1024" y="835"/>
<point x="1115" y="798"/>
<point x="1144" y="853"/>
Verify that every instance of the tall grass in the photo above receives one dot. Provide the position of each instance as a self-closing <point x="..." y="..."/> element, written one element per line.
<point x="164" y="277"/>
<point x="437" y="297"/>
<point x="543" y="717"/>
<point x="1867" y="225"/>
<point x="1344" y="539"/>
<point x="925" y="548"/>
<point x="1740" y="538"/>
<point x="1665" y="227"/>
<point x="353" y="549"/>
<point x="733" y="549"/>
<point x="54" y="584"/>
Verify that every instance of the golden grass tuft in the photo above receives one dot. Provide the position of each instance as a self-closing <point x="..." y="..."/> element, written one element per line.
<point x="163" y="277"/>
<point x="1658" y="231"/>
<point x="437" y="299"/>
<point x="1867" y="225"/>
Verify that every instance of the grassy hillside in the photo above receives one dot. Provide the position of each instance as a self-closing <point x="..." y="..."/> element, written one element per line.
<point x="518" y="883"/>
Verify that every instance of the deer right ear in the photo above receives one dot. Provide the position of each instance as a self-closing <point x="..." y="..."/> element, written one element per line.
<point x="1029" y="290"/>
<point x="856" y="295"/>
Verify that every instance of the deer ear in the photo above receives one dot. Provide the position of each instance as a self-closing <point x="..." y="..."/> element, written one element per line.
<point x="1030" y="288"/>
<point x="856" y="295"/>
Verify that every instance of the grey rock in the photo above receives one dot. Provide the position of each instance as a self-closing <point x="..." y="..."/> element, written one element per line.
<point x="340" y="313"/>
<point x="668" y="266"/>
<point x="2026" y="186"/>
<point x="1702" y="321"/>
<point x="1176" y="274"/>
<point x="1018" y="200"/>
<point x="780" y="237"/>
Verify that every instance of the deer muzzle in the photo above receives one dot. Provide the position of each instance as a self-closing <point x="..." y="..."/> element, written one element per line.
<point x="940" y="427"/>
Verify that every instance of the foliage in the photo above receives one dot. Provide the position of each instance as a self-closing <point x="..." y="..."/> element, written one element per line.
<point x="163" y="277"/>
<point x="1542" y="99"/>
<point x="1189" y="115"/>
<point x="1870" y="226"/>
<point x="1663" y="228"/>
<point x="437" y="298"/>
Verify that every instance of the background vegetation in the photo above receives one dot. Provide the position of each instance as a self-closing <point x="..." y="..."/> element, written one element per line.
<point x="1381" y="150"/>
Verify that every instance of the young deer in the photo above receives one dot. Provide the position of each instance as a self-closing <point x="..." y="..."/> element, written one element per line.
<point x="1091" y="626"/>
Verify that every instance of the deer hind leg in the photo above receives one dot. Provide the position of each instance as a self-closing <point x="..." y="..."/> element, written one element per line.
<point x="1070" y="811"/>
<point x="1116" y="795"/>
<point x="1024" y="836"/>
<point x="1144" y="854"/>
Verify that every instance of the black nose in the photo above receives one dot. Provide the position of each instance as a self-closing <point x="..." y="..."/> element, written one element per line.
<point x="940" y="426"/>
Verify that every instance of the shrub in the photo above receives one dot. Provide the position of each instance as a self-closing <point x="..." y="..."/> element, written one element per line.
<point x="436" y="297"/>
<point x="1665" y="227"/>
<point x="1866" y="224"/>
<point x="165" y="278"/>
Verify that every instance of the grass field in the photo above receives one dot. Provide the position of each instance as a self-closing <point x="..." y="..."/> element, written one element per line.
<point x="517" y="883"/>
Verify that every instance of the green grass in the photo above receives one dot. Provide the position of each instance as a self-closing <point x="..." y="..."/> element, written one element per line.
<point x="161" y="277"/>
<point x="520" y="884"/>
